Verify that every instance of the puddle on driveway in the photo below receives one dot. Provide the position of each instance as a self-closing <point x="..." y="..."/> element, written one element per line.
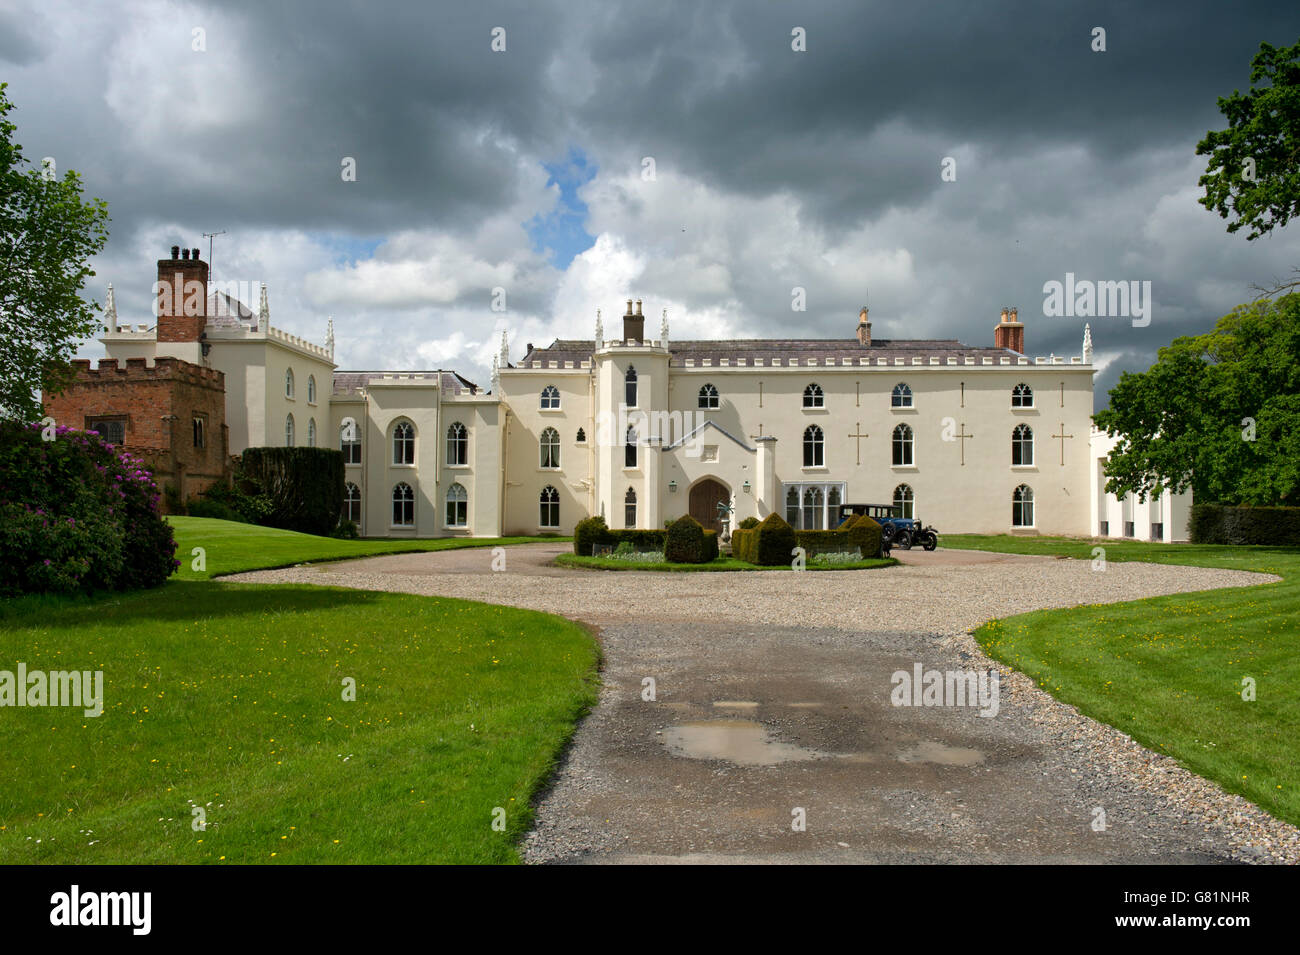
<point x="929" y="751"/>
<point x="744" y="742"/>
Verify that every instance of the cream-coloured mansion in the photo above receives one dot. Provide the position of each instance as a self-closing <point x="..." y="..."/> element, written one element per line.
<point x="642" y="429"/>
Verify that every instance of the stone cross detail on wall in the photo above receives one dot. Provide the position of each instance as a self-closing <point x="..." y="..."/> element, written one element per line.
<point x="1062" y="436"/>
<point x="962" y="437"/>
<point x="859" y="435"/>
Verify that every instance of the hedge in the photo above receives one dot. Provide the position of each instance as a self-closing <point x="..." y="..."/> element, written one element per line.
<point x="1225" y="524"/>
<point x="684" y="541"/>
<point x="305" y="486"/>
<point x="591" y="531"/>
<point x="865" y="533"/>
<point x="769" y="544"/>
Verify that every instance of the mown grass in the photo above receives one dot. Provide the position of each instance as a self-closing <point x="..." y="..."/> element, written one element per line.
<point x="718" y="564"/>
<point x="231" y="697"/>
<point x="1169" y="671"/>
<point x="231" y="548"/>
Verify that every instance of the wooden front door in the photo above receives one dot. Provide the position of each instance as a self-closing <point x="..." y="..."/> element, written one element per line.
<point x="705" y="497"/>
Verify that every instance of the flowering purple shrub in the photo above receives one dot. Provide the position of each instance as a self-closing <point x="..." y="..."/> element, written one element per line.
<point x="77" y="515"/>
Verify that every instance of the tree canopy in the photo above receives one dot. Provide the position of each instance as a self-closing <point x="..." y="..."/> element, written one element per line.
<point x="1254" y="169"/>
<point x="1218" y="413"/>
<point x="47" y="236"/>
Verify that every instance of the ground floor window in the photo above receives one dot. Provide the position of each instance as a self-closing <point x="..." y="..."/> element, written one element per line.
<point x="1022" y="507"/>
<point x="629" y="508"/>
<point x="457" y="506"/>
<point x="403" y="505"/>
<point x="813" y="506"/>
<point x="905" y="501"/>
<point x="550" y="507"/>
<point x="351" y="503"/>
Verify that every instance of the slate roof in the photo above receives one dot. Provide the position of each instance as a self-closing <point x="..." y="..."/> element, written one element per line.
<point x="784" y="349"/>
<point x="348" y="382"/>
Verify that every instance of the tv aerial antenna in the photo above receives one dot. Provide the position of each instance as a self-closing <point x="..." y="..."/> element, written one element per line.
<point x="208" y="236"/>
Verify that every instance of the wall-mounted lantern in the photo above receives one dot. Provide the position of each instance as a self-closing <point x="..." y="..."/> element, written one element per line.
<point x="745" y="487"/>
<point x="672" y="487"/>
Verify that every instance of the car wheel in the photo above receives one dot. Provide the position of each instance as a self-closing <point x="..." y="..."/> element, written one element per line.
<point x="931" y="541"/>
<point x="903" y="541"/>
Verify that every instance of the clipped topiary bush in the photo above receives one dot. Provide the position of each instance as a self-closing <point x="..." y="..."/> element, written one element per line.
<point x="747" y="523"/>
<point x="589" y="532"/>
<point x="774" y="541"/>
<point x="304" y="485"/>
<point x="684" y="543"/>
<point x="744" y="542"/>
<point x="864" y="534"/>
<point x="79" y="515"/>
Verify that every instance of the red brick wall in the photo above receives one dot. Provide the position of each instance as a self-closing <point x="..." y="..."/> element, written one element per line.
<point x="182" y="299"/>
<point x="148" y="398"/>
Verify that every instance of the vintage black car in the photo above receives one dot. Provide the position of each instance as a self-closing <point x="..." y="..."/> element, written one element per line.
<point x="895" y="530"/>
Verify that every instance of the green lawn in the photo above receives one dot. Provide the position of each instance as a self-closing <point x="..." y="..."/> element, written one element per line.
<point x="1168" y="671"/>
<point x="230" y="697"/>
<point x="230" y="548"/>
<point x="719" y="564"/>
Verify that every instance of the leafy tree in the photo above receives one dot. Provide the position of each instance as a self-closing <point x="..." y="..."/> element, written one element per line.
<point x="1217" y="413"/>
<point x="1254" y="168"/>
<point x="47" y="236"/>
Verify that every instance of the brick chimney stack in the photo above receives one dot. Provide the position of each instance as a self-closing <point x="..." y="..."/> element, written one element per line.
<point x="1009" y="333"/>
<point x="633" y="323"/>
<point x="864" y="328"/>
<point x="182" y="296"/>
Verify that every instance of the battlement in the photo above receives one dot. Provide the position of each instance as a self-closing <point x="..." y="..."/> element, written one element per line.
<point x="138" y="369"/>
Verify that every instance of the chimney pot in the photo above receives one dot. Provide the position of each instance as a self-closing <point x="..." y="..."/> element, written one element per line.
<point x="194" y="254"/>
<point x="629" y="307"/>
<point x="176" y="251"/>
<point x="185" y="254"/>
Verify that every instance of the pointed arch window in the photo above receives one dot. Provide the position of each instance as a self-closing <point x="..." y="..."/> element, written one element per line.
<point x="351" y="503"/>
<point x="581" y="437"/>
<point x="814" y="397"/>
<point x="457" y="445"/>
<point x="404" y="443"/>
<point x="311" y="432"/>
<point x="902" y="445"/>
<point x="457" y="506"/>
<point x="288" y="431"/>
<point x="813" y="447"/>
<point x="403" y="505"/>
<point x="1022" y="396"/>
<point x="629" y="448"/>
<point x="905" y="500"/>
<point x="708" y="397"/>
<point x="1022" y="506"/>
<point x="550" y="507"/>
<point x="550" y="448"/>
<point x="629" y="508"/>
<point x="350" y="443"/>
<point x="288" y="383"/>
<point x="629" y="387"/>
<point x="1022" y="446"/>
<point x="311" y="389"/>
<point x="901" y="396"/>
<point x="550" y="398"/>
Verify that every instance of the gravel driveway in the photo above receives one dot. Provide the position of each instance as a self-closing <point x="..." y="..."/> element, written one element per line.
<point x="772" y="707"/>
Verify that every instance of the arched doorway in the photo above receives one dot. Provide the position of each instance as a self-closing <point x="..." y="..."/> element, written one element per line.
<point x="705" y="497"/>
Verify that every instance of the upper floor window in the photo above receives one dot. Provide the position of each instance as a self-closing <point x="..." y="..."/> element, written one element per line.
<point x="813" y="446"/>
<point x="1022" y="396"/>
<point x="902" y="445"/>
<point x="457" y="444"/>
<point x="550" y="448"/>
<point x="1022" y="445"/>
<point x="708" y="397"/>
<point x="550" y="398"/>
<point x="629" y="448"/>
<point x="350" y="443"/>
<point x="813" y="397"/>
<point x="629" y="387"/>
<point x="113" y="432"/>
<point x="288" y="383"/>
<point x="404" y="443"/>
<point x="200" y="431"/>
<point x="902" y="396"/>
<point x="311" y="389"/>
<point x="288" y="431"/>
